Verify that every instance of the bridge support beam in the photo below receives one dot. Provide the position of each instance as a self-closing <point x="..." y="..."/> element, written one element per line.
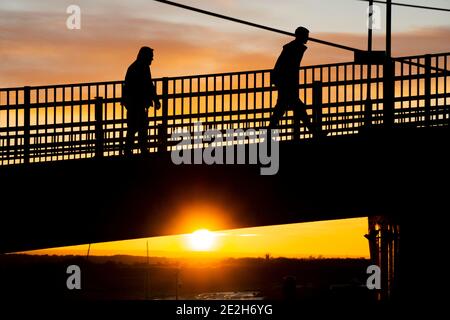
<point x="162" y="128"/>
<point x="317" y="108"/>
<point x="26" y="124"/>
<point x="99" y="127"/>
<point x="388" y="93"/>
<point x="384" y="245"/>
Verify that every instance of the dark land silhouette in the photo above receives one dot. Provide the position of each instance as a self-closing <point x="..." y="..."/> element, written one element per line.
<point x="124" y="277"/>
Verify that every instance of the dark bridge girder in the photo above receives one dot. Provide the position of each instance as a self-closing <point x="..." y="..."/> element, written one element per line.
<point x="395" y="172"/>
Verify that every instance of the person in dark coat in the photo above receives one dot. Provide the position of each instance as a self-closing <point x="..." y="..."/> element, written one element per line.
<point x="285" y="76"/>
<point x="138" y="95"/>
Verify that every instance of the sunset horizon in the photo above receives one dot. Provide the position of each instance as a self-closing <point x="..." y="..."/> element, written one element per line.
<point x="225" y="158"/>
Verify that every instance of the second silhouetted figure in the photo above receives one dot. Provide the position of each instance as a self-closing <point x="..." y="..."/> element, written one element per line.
<point x="285" y="76"/>
<point x="138" y="95"/>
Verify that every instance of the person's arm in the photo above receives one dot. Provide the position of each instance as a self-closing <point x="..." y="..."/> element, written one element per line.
<point x="155" y="96"/>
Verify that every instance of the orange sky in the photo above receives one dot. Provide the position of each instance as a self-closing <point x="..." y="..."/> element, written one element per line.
<point x="337" y="238"/>
<point x="36" y="47"/>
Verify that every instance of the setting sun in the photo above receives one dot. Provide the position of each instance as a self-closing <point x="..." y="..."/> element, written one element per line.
<point x="201" y="240"/>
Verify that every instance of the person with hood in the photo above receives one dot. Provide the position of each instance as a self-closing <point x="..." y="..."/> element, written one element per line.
<point x="285" y="76"/>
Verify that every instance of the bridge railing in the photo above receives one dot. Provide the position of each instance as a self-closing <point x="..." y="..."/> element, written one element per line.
<point x="71" y="121"/>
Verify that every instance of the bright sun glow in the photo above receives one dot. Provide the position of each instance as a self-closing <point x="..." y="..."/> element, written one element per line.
<point x="202" y="240"/>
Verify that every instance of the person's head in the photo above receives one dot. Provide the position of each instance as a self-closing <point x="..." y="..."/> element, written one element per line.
<point x="145" y="55"/>
<point x="301" y="34"/>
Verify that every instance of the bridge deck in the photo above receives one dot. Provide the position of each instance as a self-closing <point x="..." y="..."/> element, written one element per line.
<point x="82" y="201"/>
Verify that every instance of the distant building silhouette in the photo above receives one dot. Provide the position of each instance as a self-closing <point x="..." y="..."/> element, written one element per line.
<point x="138" y="95"/>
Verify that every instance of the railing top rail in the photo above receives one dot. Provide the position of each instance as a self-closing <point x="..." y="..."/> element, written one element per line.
<point x="422" y="56"/>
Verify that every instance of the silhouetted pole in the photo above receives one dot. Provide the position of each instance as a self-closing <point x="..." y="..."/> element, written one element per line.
<point x="388" y="73"/>
<point x="26" y="124"/>
<point x="221" y="16"/>
<point x="317" y="108"/>
<point x="370" y="25"/>
<point x="162" y="130"/>
<point x="177" y="272"/>
<point x="98" y="127"/>
<point x="147" y="276"/>
<point x="389" y="28"/>
<point x="368" y="104"/>
<point x="427" y="90"/>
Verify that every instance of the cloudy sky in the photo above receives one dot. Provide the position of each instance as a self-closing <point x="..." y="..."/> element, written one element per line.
<point x="37" y="48"/>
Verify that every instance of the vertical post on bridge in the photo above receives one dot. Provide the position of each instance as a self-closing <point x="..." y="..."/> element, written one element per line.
<point x="26" y="124"/>
<point x="368" y="102"/>
<point x="388" y="93"/>
<point x="99" y="147"/>
<point x="162" y="128"/>
<point x="427" y="90"/>
<point x="388" y="73"/>
<point x="317" y="108"/>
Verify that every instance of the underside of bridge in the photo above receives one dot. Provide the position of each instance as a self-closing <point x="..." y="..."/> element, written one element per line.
<point x="397" y="173"/>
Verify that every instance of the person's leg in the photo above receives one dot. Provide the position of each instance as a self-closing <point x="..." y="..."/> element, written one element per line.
<point x="143" y="133"/>
<point x="279" y="109"/>
<point x="129" y="141"/>
<point x="131" y="132"/>
<point x="302" y="115"/>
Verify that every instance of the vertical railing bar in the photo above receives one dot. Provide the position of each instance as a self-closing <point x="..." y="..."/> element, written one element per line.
<point x="346" y="124"/>
<point x="238" y="104"/>
<point x="411" y="117"/>
<point x="339" y="126"/>
<point x="271" y="90"/>
<point x="72" y="146"/>
<point x="80" y="96"/>
<point x="445" y="90"/>
<point x="182" y="102"/>
<point x="26" y="124"/>
<point x="354" y="96"/>
<point x="190" y="101"/>
<point x="207" y="101"/>
<point x="418" y="94"/>
<point x="8" y="155"/>
<point x="55" y="109"/>
<point x="231" y="99"/>
<point x="215" y="100"/>
<point x="254" y="101"/>
<point x="46" y="123"/>
<point x="361" y="86"/>
<point x="114" y="132"/>
<point x="263" y="90"/>
<point x="402" y="65"/>
<point x="427" y="92"/>
<point x="330" y="115"/>
<point x="436" y="90"/>
<point x="17" y="113"/>
<point x="99" y="134"/>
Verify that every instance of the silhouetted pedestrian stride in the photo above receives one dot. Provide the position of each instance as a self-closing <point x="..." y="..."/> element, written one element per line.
<point x="285" y="76"/>
<point x="138" y="95"/>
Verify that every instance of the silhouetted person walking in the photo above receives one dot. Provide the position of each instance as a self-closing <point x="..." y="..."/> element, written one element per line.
<point x="138" y="95"/>
<point x="285" y="76"/>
